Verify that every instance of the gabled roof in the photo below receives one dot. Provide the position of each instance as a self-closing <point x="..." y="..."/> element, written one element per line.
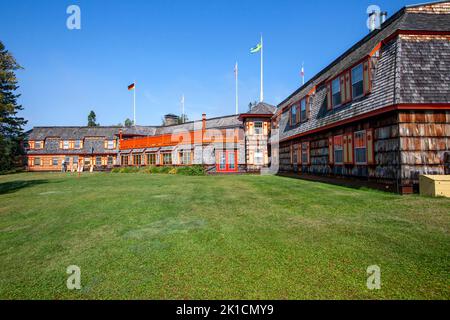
<point x="407" y="71"/>
<point x="71" y="132"/>
<point x="262" y="109"/>
<point x="401" y="20"/>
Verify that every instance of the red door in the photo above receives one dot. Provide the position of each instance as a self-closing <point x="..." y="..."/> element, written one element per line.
<point x="227" y="161"/>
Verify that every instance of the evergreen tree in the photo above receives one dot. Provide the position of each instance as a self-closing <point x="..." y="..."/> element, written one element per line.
<point x="92" y="119"/>
<point x="129" y="123"/>
<point x="11" y="125"/>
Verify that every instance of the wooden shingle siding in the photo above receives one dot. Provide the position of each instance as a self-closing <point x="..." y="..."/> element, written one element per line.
<point x="425" y="70"/>
<point x="424" y="140"/>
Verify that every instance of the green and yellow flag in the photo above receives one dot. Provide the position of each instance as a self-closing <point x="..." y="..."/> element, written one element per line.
<point x="256" y="49"/>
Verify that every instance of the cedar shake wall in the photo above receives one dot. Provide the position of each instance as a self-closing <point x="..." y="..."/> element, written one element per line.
<point x="424" y="140"/>
<point x="386" y="146"/>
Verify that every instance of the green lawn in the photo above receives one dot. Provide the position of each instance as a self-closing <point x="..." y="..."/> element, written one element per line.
<point x="142" y="236"/>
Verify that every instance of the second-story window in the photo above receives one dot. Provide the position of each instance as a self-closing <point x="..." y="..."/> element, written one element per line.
<point x="336" y="92"/>
<point x="110" y="144"/>
<point x="357" y="81"/>
<point x="38" y="144"/>
<point x="293" y="114"/>
<point x="303" y="110"/>
<point x="66" y="144"/>
<point x="77" y="144"/>
<point x="258" y="128"/>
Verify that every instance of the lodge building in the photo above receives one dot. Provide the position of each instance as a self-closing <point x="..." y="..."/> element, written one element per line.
<point x="380" y="113"/>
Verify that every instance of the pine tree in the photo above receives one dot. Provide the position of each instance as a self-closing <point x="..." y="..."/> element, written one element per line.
<point x="92" y="119"/>
<point x="129" y="123"/>
<point x="11" y="125"/>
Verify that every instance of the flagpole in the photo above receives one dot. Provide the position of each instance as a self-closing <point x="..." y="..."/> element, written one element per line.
<point x="134" y="103"/>
<point x="303" y="73"/>
<point x="262" y="70"/>
<point x="237" y="87"/>
<point x="182" y="109"/>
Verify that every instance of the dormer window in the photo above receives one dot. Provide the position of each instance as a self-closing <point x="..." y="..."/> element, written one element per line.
<point x="357" y="81"/>
<point x="110" y="144"/>
<point x="66" y="144"/>
<point x="293" y="115"/>
<point x="77" y="144"/>
<point x="38" y="145"/>
<point x="303" y="115"/>
<point x="336" y="92"/>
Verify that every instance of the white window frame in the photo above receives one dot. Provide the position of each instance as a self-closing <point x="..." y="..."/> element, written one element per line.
<point x="185" y="158"/>
<point x="259" y="131"/>
<point x="258" y="157"/>
<point x="66" y="145"/>
<point x="110" y="144"/>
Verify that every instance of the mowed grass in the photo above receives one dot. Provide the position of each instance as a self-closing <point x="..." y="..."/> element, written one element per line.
<point x="141" y="236"/>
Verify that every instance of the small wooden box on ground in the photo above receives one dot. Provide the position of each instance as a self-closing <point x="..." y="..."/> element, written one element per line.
<point x="435" y="186"/>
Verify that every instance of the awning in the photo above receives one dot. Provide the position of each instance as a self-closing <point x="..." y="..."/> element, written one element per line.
<point x="167" y="149"/>
<point x="138" y="150"/>
<point x="151" y="150"/>
<point x="125" y="151"/>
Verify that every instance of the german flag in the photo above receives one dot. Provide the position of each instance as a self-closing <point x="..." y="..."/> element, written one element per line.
<point x="131" y="86"/>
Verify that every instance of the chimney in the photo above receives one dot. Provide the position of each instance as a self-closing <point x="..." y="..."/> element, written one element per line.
<point x="204" y="121"/>
<point x="372" y="21"/>
<point x="120" y="134"/>
<point x="170" y="119"/>
<point x="383" y="17"/>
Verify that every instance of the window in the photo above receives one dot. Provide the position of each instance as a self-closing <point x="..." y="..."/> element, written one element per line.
<point x="65" y="144"/>
<point x="67" y="160"/>
<point x="357" y="81"/>
<point x="137" y="158"/>
<point x="336" y="92"/>
<point x="124" y="160"/>
<point x="305" y="153"/>
<point x="87" y="161"/>
<point x="360" y="147"/>
<point x="37" y="161"/>
<point x="38" y="144"/>
<point x="295" y="154"/>
<point x="303" y="110"/>
<point x="75" y="160"/>
<point x="151" y="159"/>
<point x="54" y="161"/>
<point x="110" y="144"/>
<point x="293" y="114"/>
<point x="110" y="160"/>
<point x="258" y="128"/>
<point x="77" y="144"/>
<point x="185" y="157"/>
<point x="258" y="157"/>
<point x="167" y="158"/>
<point x="98" y="161"/>
<point x="338" y="150"/>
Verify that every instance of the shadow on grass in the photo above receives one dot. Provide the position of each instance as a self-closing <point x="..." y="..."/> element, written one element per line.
<point x="352" y="183"/>
<point x="13" y="186"/>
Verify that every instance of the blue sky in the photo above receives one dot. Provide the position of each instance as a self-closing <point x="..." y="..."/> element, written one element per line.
<point x="170" y="47"/>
